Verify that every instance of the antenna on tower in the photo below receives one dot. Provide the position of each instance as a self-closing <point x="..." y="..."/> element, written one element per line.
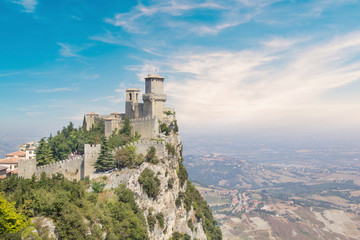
<point x="155" y="71"/>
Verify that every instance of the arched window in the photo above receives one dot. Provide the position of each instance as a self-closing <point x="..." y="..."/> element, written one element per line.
<point x="130" y="96"/>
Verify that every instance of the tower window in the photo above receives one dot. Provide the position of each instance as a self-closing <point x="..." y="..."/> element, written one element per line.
<point x="137" y="96"/>
<point x="130" y="96"/>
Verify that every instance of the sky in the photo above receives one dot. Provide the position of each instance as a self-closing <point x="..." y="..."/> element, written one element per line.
<point x="231" y="67"/>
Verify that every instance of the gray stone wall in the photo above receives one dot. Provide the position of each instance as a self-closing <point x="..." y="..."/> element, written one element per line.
<point x="70" y="168"/>
<point x="91" y="154"/>
<point x="26" y="168"/>
<point x="148" y="127"/>
<point x="143" y="146"/>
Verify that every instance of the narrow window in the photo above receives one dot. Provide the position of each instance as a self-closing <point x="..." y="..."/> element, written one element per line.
<point x="130" y="96"/>
<point x="137" y="96"/>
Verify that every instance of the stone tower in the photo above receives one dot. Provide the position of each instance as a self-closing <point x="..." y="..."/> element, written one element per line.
<point x="90" y="120"/>
<point x="154" y="97"/>
<point x="132" y="103"/>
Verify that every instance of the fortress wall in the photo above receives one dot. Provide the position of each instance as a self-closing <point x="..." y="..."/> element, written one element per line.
<point x="148" y="127"/>
<point x="142" y="147"/>
<point x="91" y="154"/>
<point x="70" y="168"/>
<point x="26" y="168"/>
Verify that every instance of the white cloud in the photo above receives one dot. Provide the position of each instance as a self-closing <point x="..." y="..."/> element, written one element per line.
<point x="263" y="86"/>
<point x="230" y="14"/>
<point x="29" y="5"/>
<point x="66" y="50"/>
<point x="51" y="90"/>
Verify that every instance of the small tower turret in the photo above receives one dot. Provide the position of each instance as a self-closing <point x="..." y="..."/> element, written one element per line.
<point x="132" y="103"/>
<point x="154" y="97"/>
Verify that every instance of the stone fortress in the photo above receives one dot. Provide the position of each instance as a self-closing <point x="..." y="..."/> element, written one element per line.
<point x="145" y="118"/>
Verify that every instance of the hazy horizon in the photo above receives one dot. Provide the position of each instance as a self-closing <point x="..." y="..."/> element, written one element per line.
<point x="244" y="69"/>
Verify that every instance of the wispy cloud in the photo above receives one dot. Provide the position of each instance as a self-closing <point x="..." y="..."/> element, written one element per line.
<point x="230" y="13"/>
<point x="110" y="38"/>
<point x="29" y="5"/>
<point x="278" y="82"/>
<point x="66" y="50"/>
<point x="51" y="90"/>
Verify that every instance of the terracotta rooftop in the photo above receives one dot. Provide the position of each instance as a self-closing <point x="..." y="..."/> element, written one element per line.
<point x="110" y="118"/>
<point x="11" y="160"/>
<point x="132" y="89"/>
<point x="16" y="154"/>
<point x="92" y="113"/>
<point x="114" y="113"/>
<point x="154" y="76"/>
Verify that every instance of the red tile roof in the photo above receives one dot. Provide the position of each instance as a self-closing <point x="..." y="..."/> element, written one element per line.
<point x="16" y="154"/>
<point x="12" y="160"/>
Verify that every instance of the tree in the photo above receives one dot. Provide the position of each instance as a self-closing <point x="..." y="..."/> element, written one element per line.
<point x="149" y="182"/>
<point x="126" y="129"/>
<point x="125" y="157"/>
<point x="44" y="154"/>
<point x="10" y="220"/>
<point x="151" y="155"/>
<point x="105" y="160"/>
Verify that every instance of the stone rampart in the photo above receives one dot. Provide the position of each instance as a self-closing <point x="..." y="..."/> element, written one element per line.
<point x="71" y="168"/>
<point x="91" y="154"/>
<point x="147" y="127"/>
<point x="142" y="147"/>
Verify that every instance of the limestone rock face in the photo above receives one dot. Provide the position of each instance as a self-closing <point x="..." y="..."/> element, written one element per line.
<point x="176" y="218"/>
<point x="45" y="227"/>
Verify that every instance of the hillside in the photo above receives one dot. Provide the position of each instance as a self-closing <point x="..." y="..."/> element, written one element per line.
<point x="149" y="197"/>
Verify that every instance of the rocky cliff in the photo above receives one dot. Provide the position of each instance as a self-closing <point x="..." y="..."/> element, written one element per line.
<point x="180" y="216"/>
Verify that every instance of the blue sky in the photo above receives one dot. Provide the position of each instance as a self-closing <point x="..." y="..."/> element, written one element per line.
<point x="241" y="66"/>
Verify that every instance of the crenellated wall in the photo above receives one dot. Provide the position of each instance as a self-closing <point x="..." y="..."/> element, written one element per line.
<point x="81" y="166"/>
<point x="147" y="127"/>
<point x="142" y="147"/>
<point x="91" y="154"/>
<point x="70" y="168"/>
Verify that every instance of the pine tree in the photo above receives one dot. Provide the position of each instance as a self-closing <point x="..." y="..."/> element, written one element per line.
<point x="44" y="154"/>
<point x="105" y="160"/>
<point x="126" y="129"/>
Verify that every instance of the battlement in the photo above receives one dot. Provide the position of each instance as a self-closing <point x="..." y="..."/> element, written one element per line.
<point x="71" y="168"/>
<point x="142" y="119"/>
<point x="142" y="146"/>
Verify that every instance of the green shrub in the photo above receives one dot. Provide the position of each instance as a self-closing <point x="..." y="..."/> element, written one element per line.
<point x="149" y="182"/>
<point x="182" y="174"/>
<point x="161" y="219"/>
<point x="176" y="127"/>
<point x="125" y="157"/>
<point x="164" y="128"/>
<point x="151" y="222"/>
<point x="171" y="183"/>
<point x="190" y="224"/>
<point x="98" y="187"/>
<point x="171" y="149"/>
<point x="151" y="155"/>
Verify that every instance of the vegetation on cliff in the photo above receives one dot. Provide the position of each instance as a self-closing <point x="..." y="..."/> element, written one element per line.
<point x="77" y="214"/>
<point x="71" y="140"/>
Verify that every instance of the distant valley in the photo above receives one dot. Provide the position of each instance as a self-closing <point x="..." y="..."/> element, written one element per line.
<point x="281" y="200"/>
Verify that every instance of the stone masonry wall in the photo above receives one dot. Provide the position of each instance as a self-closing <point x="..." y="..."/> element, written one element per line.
<point x="91" y="154"/>
<point x="70" y="168"/>
<point x="148" y="127"/>
<point x="142" y="147"/>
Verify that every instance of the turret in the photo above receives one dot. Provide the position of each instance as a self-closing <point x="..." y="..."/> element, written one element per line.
<point x="132" y="103"/>
<point x="154" y="97"/>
